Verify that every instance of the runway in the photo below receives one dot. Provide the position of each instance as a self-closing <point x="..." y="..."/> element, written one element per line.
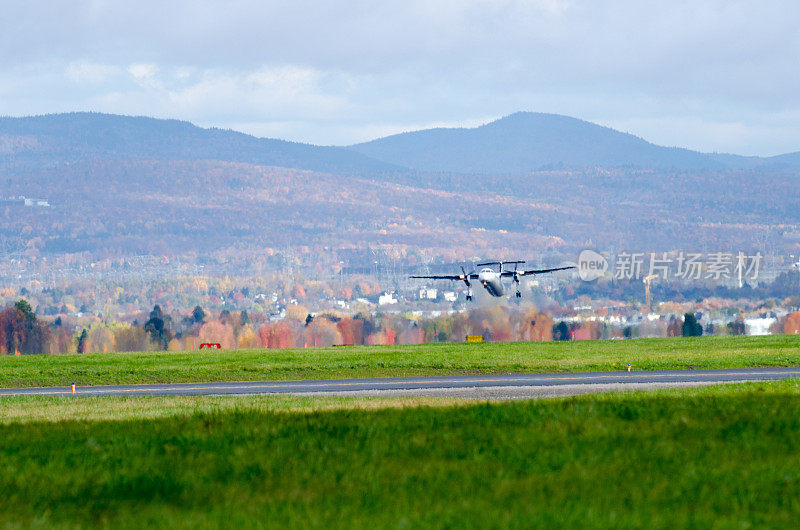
<point x="478" y="386"/>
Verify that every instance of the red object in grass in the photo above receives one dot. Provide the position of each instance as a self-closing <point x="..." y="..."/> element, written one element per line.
<point x="211" y="345"/>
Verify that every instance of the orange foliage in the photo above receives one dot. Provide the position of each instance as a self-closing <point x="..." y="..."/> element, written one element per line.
<point x="322" y="332"/>
<point x="352" y="331"/>
<point x="276" y="335"/>
<point x="792" y="324"/>
<point x="298" y="292"/>
<point x="216" y="331"/>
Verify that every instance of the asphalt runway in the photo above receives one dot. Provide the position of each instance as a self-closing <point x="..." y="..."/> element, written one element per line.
<point x="478" y="386"/>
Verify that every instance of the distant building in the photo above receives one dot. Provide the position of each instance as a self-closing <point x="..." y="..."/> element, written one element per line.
<point x="25" y="201"/>
<point x="450" y="296"/>
<point x="428" y="294"/>
<point x="387" y="299"/>
<point x="759" y="325"/>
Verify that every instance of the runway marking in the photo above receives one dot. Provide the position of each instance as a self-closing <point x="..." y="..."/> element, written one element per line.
<point x="285" y="387"/>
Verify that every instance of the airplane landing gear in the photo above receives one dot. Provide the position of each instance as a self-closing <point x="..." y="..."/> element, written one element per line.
<point x="469" y="295"/>
<point x="519" y="294"/>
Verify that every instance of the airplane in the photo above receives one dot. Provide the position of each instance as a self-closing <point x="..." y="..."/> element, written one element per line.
<point x="491" y="279"/>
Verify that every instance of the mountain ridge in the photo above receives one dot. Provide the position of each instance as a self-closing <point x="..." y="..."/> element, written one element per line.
<point x="528" y="141"/>
<point x="519" y="143"/>
<point x="80" y="135"/>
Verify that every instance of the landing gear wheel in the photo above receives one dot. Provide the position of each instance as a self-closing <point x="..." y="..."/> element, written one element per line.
<point x="519" y="294"/>
<point x="469" y="298"/>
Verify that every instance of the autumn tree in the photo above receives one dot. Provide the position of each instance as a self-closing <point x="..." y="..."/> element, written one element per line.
<point x="101" y="339"/>
<point x="321" y="332"/>
<point x="247" y="338"/>
<point x="218" y="331"/>
<point x="791" y="326"/>
<point x="132" y="338"/>
<point x="21" y="331"/>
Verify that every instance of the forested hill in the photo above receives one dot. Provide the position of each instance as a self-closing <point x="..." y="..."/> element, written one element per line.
<point x="117" y="186"/>
<point x="54" y="138"/>
<point x="527" y="141"/>
<point x="517" y="144"/>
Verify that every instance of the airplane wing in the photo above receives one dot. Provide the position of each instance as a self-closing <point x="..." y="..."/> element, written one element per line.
<point x="508" y="274"/>
<point x="447" y="277"/>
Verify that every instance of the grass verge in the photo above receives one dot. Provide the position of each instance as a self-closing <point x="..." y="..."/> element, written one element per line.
<point x="32" y="409"/>
<point x="391" y="361"/>
<point x="718" y="456"/>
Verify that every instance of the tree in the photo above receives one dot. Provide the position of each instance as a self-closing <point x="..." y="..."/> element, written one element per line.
<point x="157" y="329"/>
<point x="101" y="339"/>
<point x="217" y="331"/>
<point x="247" y="338"/>
<point x="83" y="340"/>
<point x="736" y="327"/>
<point x="225" y="317"/>
<point x="21" y="331"/>
<point x="132" y="338"/>
<point x="27" y="311"/>
<point x="561" y="331"/>
<point x="198" y="314"/>
<point x="157" y="312"/>
<point x="675" y="327"/>
<point x="691" y="327"/>
<point x="792" y="324"/>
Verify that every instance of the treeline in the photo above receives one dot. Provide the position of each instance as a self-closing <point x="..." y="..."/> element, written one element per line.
<point x="22" y="332"/>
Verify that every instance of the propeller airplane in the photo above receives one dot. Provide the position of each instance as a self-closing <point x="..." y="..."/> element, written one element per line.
<point x="491" y="279"/>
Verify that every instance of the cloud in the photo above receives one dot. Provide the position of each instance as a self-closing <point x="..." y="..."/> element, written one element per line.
<point x="90" y="72"/>
<point x="142" y="72"/>
<point x="334" y="72"/>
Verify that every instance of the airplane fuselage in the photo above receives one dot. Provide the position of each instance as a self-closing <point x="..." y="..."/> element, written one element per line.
<point x="490" y="279"/>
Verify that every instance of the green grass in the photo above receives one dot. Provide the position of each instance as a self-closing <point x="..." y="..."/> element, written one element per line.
<point x="375" y="361"/>
<point x="29" y="409"/>
<point x="718" y="456"/>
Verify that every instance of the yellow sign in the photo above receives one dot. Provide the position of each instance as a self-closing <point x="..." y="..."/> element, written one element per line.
<point x="474" y="338"/>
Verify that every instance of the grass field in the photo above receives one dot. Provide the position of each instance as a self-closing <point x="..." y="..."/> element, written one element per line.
<point x="29" y="409"/>
<point x="377" y="361"/>
<point x="718" y="456"/>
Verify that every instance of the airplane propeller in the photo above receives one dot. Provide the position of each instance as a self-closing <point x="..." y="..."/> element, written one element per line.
<point x="465" y="277"/>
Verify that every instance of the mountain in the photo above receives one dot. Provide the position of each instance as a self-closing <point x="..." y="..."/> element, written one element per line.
<point x="517" y="144"/>
<point x="115" y="186"/>
<point x="527" y="141"/>
<point x="43" y="140"/>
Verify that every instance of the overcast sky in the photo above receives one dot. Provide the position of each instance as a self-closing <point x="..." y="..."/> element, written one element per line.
<point x="708" y="75"/>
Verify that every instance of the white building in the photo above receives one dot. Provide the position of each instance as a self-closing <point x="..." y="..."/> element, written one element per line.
<point x="37" y="202"/>
<point x="387" y="299"/>
<point x="428" y="294"/>
<point x="758" y="326"/>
